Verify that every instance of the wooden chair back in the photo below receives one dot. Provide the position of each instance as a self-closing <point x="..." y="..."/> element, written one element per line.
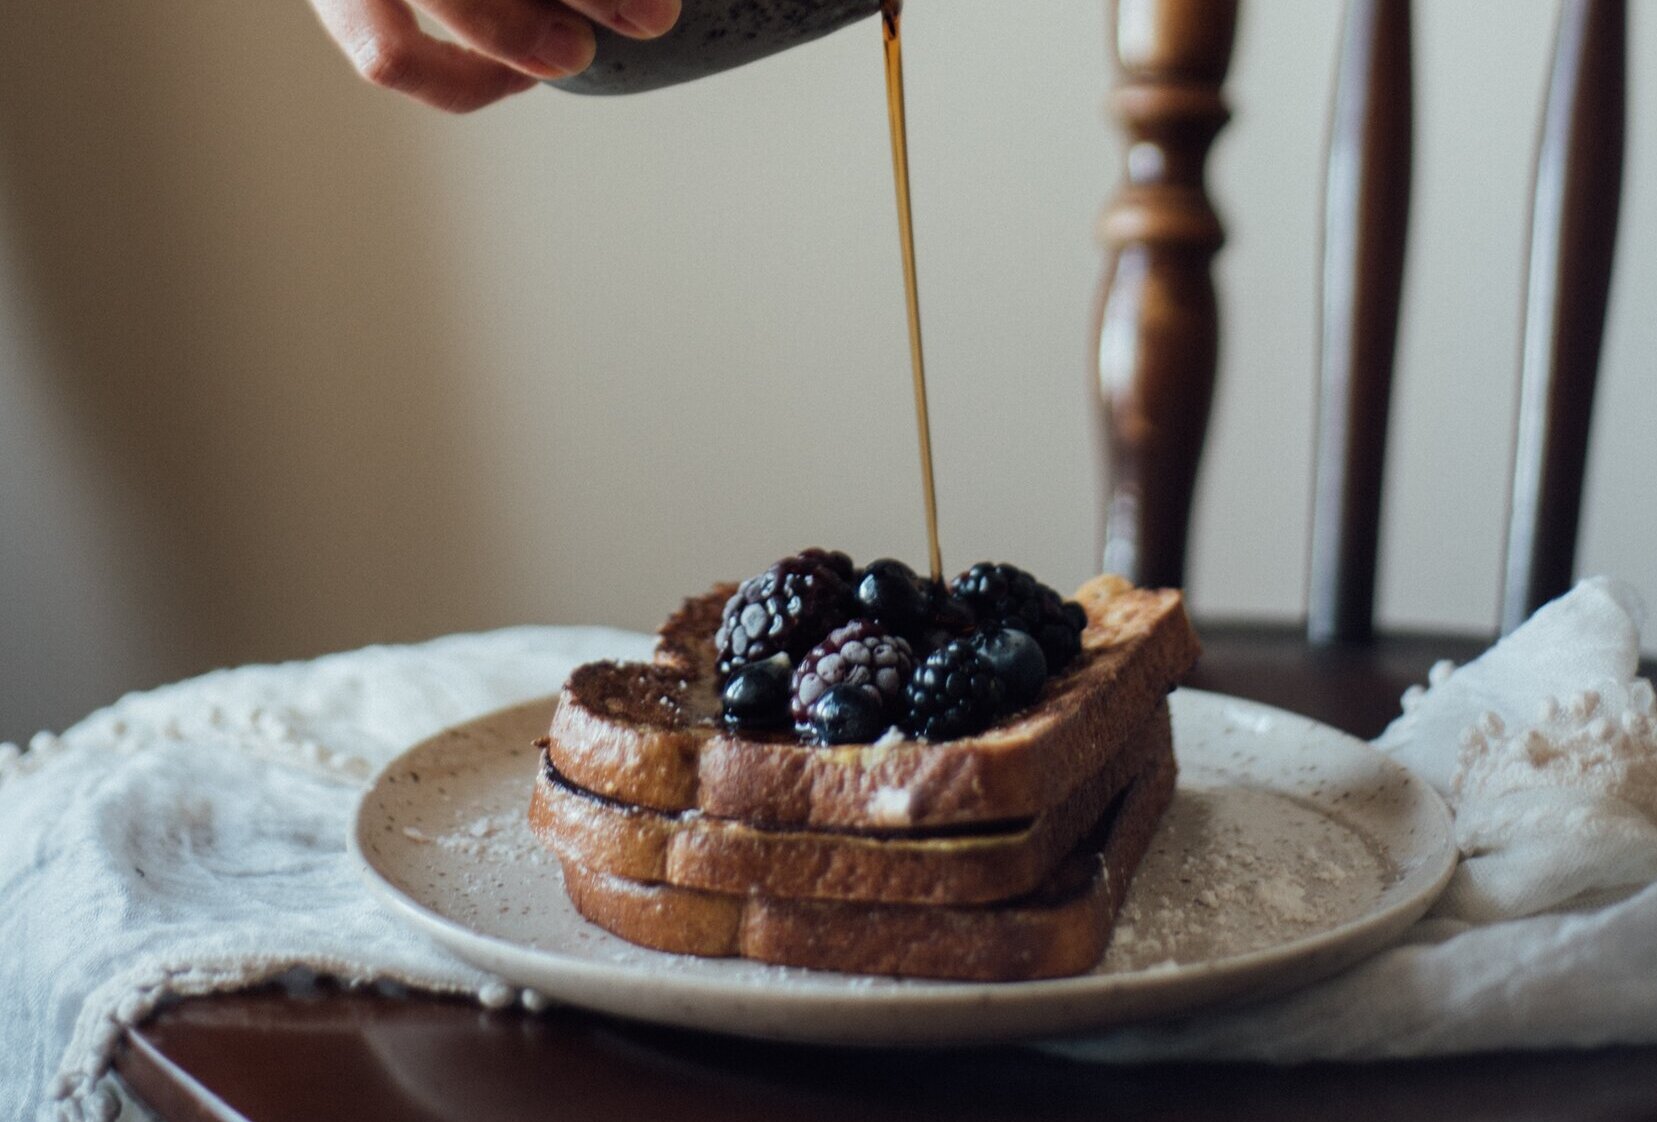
<point x="1158" y="321"/>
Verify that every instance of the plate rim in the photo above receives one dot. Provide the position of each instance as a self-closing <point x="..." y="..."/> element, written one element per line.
<point x="1373" y="930"/>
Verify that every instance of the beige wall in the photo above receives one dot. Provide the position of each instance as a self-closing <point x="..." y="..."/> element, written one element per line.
<point x="287" y="365"/>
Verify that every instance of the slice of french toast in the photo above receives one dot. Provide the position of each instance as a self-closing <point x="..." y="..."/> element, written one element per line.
<point x="977" y="863"/>
<point x="649" y="734"/>
<point x="1059" y="929"/>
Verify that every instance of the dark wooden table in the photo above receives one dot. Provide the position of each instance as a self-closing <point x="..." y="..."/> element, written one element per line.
<point x="267" y="1056"/>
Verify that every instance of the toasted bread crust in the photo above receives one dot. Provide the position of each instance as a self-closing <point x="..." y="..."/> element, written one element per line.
<point x="647" y="734"/>
<point x="685" y="639"/>
<point x="730" y="856"/>
<point x="1034" y="937"/>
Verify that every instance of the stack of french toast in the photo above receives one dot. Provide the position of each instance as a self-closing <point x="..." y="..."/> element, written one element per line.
<point x="988" y="832"/>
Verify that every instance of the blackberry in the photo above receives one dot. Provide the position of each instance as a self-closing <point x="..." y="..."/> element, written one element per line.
<point x="832" y="559"/>
<point x="862" y="655"/>
<point x="954" y="693"/>
<point x="1008" y="595"/>
<point x="756" y="695"/>
<point x="848" y="715"/>
<point x="1017" y="658"/>
<point x="784" y="610"/>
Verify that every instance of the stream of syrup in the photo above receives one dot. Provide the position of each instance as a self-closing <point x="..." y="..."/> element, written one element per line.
<point x="891" y="12"/>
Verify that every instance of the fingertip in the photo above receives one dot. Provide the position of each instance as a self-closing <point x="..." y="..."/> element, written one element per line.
<point x="459" y="81"/>
<point x="648" y="19"/>
<point x="517" y="84"/>
<point x="461" y="102"/>
<point x="567" y="47"/>
<point x="511" y="84"/>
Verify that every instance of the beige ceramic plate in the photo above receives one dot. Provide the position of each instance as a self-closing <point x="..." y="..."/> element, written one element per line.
<point x="1291" y="850"/>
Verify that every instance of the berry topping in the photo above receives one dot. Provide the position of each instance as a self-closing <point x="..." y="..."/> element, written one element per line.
<point x="848" y="715"/>
<point x="756" y="695"/>
<point x="862" y="655"/>
<point x="1017" y="659"/>
<point x="1008" y="595"/>
<point x="784" y="610"/>
<point x="891" y="593"/>
<point x="954" y="693"/>
<point x="845" y="653"/>
<point x="948" y="617"/>
<point x="832" y="559"/>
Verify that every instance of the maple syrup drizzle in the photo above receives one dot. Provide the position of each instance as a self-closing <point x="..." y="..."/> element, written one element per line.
<point x="891" y="12"/>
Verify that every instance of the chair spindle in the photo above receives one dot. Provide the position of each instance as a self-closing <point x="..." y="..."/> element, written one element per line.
<point x="1156" y="317"/>
<point x="1573" y="236"/>
<point x="1365" y="220"/>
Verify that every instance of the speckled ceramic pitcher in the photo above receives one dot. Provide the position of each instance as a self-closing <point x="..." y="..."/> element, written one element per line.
<point x="711" y="35"/>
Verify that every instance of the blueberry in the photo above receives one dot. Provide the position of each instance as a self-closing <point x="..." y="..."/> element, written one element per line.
<point x="849" y="715"/>
<point x="1018" y="661"/>
<point x="756" y="695"/>
<point x="891" y="593"/>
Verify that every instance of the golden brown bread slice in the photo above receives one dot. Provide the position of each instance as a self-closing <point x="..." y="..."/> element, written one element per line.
<point x="955" y="866"/>
<point x="648" y="734"/>
<point x="1062" y="928"/>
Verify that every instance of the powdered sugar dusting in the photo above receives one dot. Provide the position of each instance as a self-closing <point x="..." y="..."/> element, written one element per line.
<point x="1234" y="870"/>
<point x="891" y="738"/>
<point x="497" y="837"/>
<point x="889" y="806"/>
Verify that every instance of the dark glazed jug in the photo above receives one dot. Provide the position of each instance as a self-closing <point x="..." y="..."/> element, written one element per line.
<point x="711" y="35"/>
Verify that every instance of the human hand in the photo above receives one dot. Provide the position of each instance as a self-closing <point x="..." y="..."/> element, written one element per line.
<point x="504" y="46"/>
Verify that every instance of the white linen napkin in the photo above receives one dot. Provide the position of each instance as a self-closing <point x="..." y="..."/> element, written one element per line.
<point x="1554" y="780"/>
<point x="1546" y="750"/>
<point x="192" y="839"/>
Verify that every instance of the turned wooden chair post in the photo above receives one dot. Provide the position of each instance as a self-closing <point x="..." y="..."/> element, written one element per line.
<point x="1157" y="323"/>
